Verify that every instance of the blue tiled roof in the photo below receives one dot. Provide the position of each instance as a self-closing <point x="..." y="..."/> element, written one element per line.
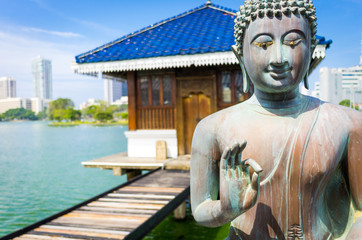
<point x="323" y="41"/>
<point x="206" y="29"/>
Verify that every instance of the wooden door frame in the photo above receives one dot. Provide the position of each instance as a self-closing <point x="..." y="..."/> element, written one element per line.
<point x="185" y="86"/>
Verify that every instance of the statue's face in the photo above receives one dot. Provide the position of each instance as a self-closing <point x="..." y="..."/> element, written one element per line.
<point x="277" y="52"/>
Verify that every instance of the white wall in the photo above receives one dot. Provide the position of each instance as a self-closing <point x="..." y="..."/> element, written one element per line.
<point x="142" y="143"/>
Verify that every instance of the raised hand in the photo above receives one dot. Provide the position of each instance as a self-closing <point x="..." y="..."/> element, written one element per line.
<point x="238" y="191"/>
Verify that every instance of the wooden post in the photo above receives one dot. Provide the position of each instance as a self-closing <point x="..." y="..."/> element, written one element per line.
<point x="180" y="211"/>
<point x="161" y="150"/>
<point x="133" y="173"/>
<point x="131" y="89"/>
<point x="117" y="171"/>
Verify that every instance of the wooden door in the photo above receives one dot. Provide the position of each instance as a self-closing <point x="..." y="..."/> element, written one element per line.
<point x="196" y="99"/>
<point x="196" y="106"/>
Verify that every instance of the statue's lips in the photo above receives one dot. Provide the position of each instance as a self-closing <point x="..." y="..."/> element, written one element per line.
<point x="279" y="73"/>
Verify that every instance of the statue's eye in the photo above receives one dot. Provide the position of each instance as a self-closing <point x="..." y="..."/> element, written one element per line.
<point x="292" y="43"/>
<point x="263" y="44"/>
<point x="293" y="38"/>
<point x="263" y="41"/>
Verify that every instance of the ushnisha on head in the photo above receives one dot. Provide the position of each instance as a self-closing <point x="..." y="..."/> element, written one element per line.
<point x="254" y="9"/>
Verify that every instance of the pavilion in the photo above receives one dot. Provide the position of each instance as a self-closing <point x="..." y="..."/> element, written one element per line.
<point x="178" y="71"/>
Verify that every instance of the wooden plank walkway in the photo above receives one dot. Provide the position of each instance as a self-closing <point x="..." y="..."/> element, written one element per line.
<point x="121" y="161"/>
<point x="129" y="211"/>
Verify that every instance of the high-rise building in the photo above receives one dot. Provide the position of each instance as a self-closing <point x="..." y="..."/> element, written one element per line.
<point x="337" y="84"/>
<point x="7" y="87"/>
<point x="114" y="90"/>
<point x="42" y="78"/>
<point x="12" y="103"/>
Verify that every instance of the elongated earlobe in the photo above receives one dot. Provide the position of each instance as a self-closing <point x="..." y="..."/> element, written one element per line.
<point x="306" y="83"/>
<point x="246" y="80"/>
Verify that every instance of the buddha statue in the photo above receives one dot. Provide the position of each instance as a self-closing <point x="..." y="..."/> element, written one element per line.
<point x="280" y="165"/>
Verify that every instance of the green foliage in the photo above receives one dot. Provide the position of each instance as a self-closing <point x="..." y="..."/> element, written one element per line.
<point x="103" y="116"/>
<point x="74" y="114"/>
<point x="113" y="108"/>
<point x="59" y="104"/>
<point x="42" y="115"/>
<point x="123" y="108"/>
<point x="347" y="103"/>
<point x="69" y="114"/>
<point x="19" y="114"/>
<point x="90" y="111"/>
<point x="104" y="112"/>
<point x="124" y="115"/>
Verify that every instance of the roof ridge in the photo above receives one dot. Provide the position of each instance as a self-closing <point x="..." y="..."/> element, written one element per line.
<point x="162" y="22"/>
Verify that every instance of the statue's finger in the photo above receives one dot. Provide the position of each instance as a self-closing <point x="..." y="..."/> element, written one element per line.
<point x="253" y="164"/>
<point x="224" y="158"/>
<point x="238" y="158"/>
<point x="234" y="149"/>
<point x="242" y="146"/>
<point x="226" y="153"/>
<point x="255" y="182"/>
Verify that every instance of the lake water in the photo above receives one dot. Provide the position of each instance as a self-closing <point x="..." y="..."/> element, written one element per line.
<point x="41" y="174"/>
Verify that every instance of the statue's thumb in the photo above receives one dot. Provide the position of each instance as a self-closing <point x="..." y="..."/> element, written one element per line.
<point x="255" y="182"/>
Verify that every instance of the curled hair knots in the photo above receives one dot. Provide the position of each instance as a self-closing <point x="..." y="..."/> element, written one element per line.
<point x="253" y="9"/>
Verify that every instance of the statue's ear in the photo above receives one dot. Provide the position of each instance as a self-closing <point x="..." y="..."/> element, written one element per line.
<point x="235" y="50"/>
<point x="246" y="81"/>
<point x="313" y="62"/>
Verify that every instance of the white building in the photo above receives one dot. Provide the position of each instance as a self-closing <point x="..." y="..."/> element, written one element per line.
<point x="337" y="84"/>
<point x="7" y="87"/>
<point x="122" y="101"/>
<point x="38" y="104"/>
<point x="34" y="104"/>
<point x="42" y="78"/>
<point x="11" y="103"/>
<point x="90" y="102"/>
<point x="113" y="90"/>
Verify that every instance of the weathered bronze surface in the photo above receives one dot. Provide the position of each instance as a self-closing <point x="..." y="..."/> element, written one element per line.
<point x="302" y="177"/>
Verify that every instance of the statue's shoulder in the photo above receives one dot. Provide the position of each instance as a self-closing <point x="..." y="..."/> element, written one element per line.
<point x="339" y="114"/>
<point x="223" y="118"/>
<point x="227" y="113"/>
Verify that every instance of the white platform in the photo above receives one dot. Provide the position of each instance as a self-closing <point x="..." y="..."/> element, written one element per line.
<point x="142" y="143"/>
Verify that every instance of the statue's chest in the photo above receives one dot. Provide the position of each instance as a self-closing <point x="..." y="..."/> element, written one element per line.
<point x="292" y="151"/>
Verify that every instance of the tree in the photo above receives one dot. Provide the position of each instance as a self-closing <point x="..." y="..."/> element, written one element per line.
<point x="103" y="116"/>
<point x="124" y="115"/>
<point x="59" y="104"/>
<point x="42" y="114"/>
<point x="123" y="107"/>
<point x="72" y="114"/>
<point x="347" y="103"/>
<point x="20" y="114"/>
<point x="90" y="111"/>
<point x="59" y="115"/>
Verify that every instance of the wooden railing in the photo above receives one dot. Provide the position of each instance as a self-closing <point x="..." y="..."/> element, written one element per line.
<point x="156" y="118"/>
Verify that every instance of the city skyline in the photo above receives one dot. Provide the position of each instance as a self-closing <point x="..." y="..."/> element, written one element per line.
<point x="42" y="78"/>
<point x="7" y="87"/>
<point x="61" y="30"/>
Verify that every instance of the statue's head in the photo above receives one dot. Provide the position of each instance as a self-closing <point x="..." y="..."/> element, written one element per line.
<point x="275" y="40"/>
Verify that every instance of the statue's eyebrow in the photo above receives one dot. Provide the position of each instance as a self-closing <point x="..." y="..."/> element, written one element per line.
<point x="261" y="34"/>
<point x="294" y="31"/>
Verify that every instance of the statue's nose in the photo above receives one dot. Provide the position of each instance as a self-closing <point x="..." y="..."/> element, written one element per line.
<point x="278" y="58"/>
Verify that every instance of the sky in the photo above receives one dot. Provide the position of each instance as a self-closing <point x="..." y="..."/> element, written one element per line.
<point x="60" y="30"/>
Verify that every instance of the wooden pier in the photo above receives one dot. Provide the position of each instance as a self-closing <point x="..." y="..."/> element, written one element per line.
<point x="129" y="211"/>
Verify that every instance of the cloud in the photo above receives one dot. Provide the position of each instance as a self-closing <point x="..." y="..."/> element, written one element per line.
<point x="85" y="23"/>
<point x="18" y="51"/>
<point x="55" y="33"/>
